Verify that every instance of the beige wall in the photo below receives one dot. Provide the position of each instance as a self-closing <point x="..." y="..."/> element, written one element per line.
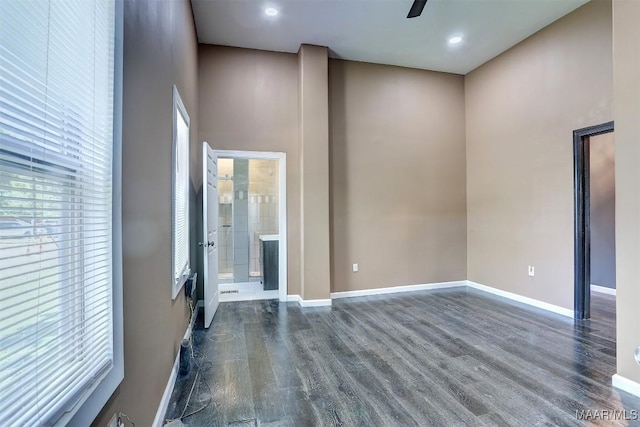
<point x="521" y="110"/>
<point x="397" y="162"/>
<point x="626" y="60"/>
<point x="602" y="200"/>
<point x="249" y="101"/>
<point x="159" y="51"/>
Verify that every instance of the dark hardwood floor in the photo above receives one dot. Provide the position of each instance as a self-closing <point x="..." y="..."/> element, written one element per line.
<point x="456" y="357"/>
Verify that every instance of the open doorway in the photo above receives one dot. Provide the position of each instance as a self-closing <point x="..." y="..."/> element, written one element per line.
<point x="251" y="225"/>
<point x="594" y="192"/>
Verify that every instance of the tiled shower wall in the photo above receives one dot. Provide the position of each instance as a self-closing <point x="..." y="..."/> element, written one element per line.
<point x="263" y="207"/>
<point x="225" y="228"/>
<point x="248" y="207"/>
<point x="240" y="220"/>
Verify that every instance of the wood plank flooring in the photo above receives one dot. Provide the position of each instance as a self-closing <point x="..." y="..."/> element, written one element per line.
<point x="454" y="357"/>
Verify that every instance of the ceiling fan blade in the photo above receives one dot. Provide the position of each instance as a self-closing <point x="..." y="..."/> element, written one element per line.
<point x="416" y="8"/>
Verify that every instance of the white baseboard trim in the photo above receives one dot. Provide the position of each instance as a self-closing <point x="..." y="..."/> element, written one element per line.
<point x="525" y="300"/>
<point x="395" y="289"/>
<point x="314" y="302"/>
<point x="308" y="302"/>
<point x="625" y="384"/>
<point x="429" y="286"/>
<point x="456" y="284"/>
<point x="158" y="421"/>
<point x="294" y="298"/>
<point x="168" y="390"/>
<point x="603" y="290"/>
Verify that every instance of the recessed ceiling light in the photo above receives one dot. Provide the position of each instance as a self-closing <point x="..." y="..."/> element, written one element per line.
<point x="270" y="11"/>
<point x="455" y="40"/>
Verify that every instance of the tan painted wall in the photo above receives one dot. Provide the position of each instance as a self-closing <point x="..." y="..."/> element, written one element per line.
<point x="159" y="51"/>
<point x="313" y="104"/>
<point x="249" y="101"/>
<point x="626" y="38"/>
<point x="521" y="110"/>
<point x="602" y="200"/>
<point x="519" y="167"/>
<point x="397" y="153"/>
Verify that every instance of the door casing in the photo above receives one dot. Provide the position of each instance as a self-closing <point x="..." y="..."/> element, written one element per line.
<point x="582" y="234"/>
<point x="282" y="206"/>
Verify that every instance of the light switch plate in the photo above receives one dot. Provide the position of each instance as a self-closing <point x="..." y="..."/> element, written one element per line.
<point x="355" y="268"/>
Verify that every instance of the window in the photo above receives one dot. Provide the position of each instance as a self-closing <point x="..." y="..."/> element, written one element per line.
<point x="181" y="266"/>
<point x="59" y="267"/>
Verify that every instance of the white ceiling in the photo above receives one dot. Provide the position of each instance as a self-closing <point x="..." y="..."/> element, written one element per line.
<point x="378" y="31"/>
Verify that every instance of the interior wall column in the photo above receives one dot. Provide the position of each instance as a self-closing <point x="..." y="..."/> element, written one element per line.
<point x="313" y="105"/>
<point x="626" y="92"/>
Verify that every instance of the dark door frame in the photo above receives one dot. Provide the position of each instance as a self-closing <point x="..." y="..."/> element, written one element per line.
<point x="582" y="232"/>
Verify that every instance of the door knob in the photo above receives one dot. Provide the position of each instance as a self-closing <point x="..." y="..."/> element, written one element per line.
<point x="212" y="243"/>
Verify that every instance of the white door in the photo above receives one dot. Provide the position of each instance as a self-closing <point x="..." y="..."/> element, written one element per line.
<point x="210" y="232"/>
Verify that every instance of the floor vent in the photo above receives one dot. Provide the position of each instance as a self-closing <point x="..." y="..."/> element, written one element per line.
<point x="234" y="291"/>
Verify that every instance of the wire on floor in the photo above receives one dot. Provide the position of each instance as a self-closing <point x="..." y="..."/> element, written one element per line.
<point x="121" y="414"/>
<point x="200" y="373"/>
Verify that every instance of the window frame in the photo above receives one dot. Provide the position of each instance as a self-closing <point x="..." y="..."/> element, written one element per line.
<point x="94" y="399"/>
<point x="179" y="108"/>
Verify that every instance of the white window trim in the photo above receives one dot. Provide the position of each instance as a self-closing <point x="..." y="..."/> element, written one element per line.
<point x="91" y="403"/>
<point x="178" y="108"/>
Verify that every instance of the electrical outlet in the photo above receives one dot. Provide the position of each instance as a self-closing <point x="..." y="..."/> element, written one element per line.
<point x="532" y="270"/>
<point x="355" y="268"/>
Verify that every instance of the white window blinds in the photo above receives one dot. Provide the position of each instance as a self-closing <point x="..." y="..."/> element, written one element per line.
<point x="56" y="141"/>
<point x="181" y="267"/>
